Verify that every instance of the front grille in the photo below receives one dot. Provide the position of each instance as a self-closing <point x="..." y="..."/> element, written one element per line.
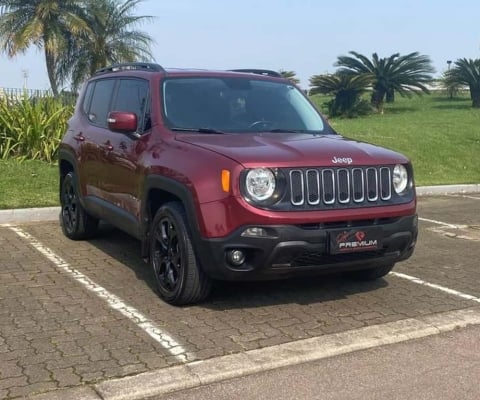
<point x="317" y="258"/>
<point x="340" y="186"/>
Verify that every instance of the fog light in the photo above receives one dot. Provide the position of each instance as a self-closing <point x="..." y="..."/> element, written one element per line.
<point x="236" y="257"/>
<point x="254" y="232"/>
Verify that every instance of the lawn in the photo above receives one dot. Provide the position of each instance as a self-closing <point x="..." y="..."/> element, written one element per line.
<point x="441" y="136"/>
<point x="28" y="184"/>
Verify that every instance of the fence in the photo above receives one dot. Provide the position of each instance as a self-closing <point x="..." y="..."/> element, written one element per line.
<point x="16" y="94"/>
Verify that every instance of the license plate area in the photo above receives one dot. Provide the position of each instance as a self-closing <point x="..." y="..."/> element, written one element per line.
<point x="355" y="240"/>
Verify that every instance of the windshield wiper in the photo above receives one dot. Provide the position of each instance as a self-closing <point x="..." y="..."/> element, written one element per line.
<point x="199" y="130"/>
<point x="280" y="130"/>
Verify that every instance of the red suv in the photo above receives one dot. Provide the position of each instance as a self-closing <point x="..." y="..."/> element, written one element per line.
<point x="230" y="175"/>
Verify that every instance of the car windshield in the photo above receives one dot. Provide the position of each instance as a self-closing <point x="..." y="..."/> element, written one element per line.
<point x="237" y="104"/>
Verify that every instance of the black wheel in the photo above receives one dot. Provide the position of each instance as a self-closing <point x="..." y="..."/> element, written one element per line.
<point x="371" y="274"/>
<point x="180" y="280"/>
<point x="76" y="223"/>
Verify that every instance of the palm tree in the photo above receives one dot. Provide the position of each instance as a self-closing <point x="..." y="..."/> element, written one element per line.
<point x="112" y="39"/>
<point x="347" y="89"/>
<point x="466" y="72"/>
<point x="403" y="74"/>
<point x="41" y="23"/>
<point x="290" y="75"/>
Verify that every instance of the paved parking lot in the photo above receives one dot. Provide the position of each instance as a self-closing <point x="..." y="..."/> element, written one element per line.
<point x="79" y="313"/>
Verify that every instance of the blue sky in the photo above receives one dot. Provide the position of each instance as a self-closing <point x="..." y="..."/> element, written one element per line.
<point x="305" y="36"/>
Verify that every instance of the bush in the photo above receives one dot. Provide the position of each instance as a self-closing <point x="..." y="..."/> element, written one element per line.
<point x="337" y="108"/>
<point x="32" y="128"/>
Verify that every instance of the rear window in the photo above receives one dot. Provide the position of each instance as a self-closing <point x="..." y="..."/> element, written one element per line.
<point x="100" y="103"/>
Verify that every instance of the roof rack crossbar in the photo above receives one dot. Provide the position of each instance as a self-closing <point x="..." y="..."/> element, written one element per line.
<point x="152" y="67"/>
<point x="266" y="72"/>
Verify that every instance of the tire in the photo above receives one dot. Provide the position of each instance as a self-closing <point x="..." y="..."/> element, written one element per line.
<point x="179" y="278"/>
<point x="371" y="274"/>
<point x="76" y="223"/>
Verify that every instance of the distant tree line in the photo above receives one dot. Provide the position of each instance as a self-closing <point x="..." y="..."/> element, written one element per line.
<point x="384" y="77"/>
<point x="77" y="37"/>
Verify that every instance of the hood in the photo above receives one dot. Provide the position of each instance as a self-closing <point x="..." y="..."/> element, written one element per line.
<point x="293" y="149"/>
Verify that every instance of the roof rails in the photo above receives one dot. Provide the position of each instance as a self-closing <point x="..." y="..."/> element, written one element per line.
<point x="150" y="67"/>
<point x="266" y="72"/>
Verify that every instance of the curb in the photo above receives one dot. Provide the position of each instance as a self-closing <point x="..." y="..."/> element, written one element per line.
<point x="29" y="215"/>
<point x="447" y="189"/>
<point x="199" y="373"/>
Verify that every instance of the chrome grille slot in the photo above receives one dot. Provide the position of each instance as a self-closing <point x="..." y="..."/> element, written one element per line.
<point x="385" y="185"/>
<point x="345" y="186"/>
<point x="328" y="186"/>
<point x="358" y="184"/>
<point x="297" y="187"/>
<point x="313" y="187"/>
<point x="372" y="184"/>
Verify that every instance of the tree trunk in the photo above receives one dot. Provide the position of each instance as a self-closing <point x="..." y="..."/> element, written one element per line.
<point x="475" y="96"/>
<point x="390" y="96"/>
<point x="51" y="71"/>
<point x="377" y="99"/>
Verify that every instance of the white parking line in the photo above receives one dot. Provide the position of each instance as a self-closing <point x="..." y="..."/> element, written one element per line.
<point x="147" y="325"/>
<point x="442" y="223"/>
<point x="435" y="286"/>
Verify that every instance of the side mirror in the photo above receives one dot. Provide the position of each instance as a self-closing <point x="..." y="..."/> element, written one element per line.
<point x="122" y="121"/>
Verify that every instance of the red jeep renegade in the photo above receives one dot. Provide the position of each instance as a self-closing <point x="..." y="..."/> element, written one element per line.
<point x="229" y="175"/>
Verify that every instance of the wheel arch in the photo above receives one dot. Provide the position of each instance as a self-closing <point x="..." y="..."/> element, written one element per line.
<point x="159" y="190"/>
<point x="66" y="164"/>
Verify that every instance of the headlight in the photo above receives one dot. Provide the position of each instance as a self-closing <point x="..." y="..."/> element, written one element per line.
<point x="400" y="178"/>
<point x="260" y="184"/>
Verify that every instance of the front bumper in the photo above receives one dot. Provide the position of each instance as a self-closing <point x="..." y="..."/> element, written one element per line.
<point x="297" y="249"/>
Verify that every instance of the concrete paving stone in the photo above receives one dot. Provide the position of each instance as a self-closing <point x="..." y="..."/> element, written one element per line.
<point x="152" y="360"/>
<point x="81" y="362"/>
<point x="25" y="391"/>
<point x="69" y="349"/>
<point x="41" y="300"/>
<point x="65" y="377"/>
<point x="272" y="341"/>
<point x="131" y="369"/>
<point x="37" y="373"/>
<point x="10" y="369"/>
<point x="79" y="393"/>
<point x="17" y="381"/>
<point x="228" y="345"/>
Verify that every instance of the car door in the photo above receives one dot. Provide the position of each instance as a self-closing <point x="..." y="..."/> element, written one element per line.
<point x="95" y="151"/>
<point x="122" y="185"/>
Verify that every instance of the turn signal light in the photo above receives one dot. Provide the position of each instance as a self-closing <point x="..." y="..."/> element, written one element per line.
<point x="226" y="180"/>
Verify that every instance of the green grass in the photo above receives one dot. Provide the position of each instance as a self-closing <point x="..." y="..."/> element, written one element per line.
<point x="28" y="184"/>
<point x="441" y="136"/>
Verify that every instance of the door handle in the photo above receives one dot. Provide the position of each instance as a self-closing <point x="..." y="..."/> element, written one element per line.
<point x="107" y="146"/>
<point x="79" y="137"/>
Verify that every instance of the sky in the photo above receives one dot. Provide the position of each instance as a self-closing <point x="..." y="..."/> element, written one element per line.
<point x="305" y="36"/>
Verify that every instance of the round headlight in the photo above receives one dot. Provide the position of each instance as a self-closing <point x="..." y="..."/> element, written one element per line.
<point x="400" y="178"/>
<point x="260" y="184"/>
